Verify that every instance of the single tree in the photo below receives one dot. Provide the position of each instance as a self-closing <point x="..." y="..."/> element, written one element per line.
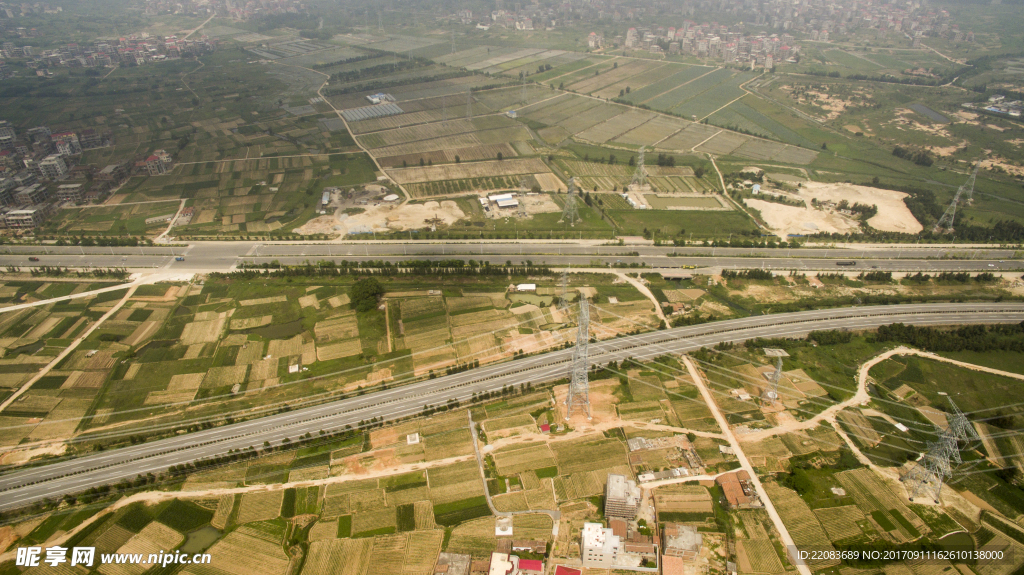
<point x="364" y="294"/>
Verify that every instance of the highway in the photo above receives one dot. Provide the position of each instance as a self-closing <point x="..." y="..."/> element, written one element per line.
<point x="24" y="487"/>
<point x="225" y="256"/>
<point x="227" y="250"/>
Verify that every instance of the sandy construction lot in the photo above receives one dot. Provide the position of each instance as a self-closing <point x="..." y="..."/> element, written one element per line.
<point x="401" y="217"/>
<point x="893" y="215"/>
<point x="791" y="220"/>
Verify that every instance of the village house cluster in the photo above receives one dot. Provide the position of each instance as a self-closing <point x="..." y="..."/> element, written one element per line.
<point x="12" y="10"/>
<point x="712" y="41"/>
<point x="133" y="50"/>
<point x="237" y="9"/>
<point x="751" y="38"/>
<point x="41" y="169"/>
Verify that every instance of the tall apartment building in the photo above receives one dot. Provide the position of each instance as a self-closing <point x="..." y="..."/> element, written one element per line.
<point x="30" y="195"/>
<point x="90" y="138"/>
<point x="70" y="193"/>
<point x="67" y="144"/>
<point x="7" y="136"/>
<point x="599" y="547"/>
<point x="622" y="497"/>
<point x="26" y="219"/>
<point x="53" y="167"/>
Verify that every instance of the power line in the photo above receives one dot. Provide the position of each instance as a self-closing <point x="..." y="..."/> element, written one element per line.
<point x="963" y="423"/>
<point x="947" y="219"/>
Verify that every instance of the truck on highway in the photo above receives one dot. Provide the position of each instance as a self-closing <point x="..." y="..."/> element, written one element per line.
<point x="846" y="263"/>
<point x="179" y="259"/>
<point x="33" y="259"/>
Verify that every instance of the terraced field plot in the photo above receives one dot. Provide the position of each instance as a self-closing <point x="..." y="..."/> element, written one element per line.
<point x="617" y="74"/>
<point x="468" y="171"/>
<point x="557" y="59"/>
<point x="638" y="81"/>
<point x="801" y="522"/>
<point x="882" y="505"/>
<point x="680" y="76"/>
<point x="651" y="132"/>
<point x="841" y="522"/>
<point x="523" y="458"/>
<point x="759" y="556"/>
<point x="616" y="126"/>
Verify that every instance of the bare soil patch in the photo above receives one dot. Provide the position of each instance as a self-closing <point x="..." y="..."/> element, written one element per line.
<point x="386" y="217"/>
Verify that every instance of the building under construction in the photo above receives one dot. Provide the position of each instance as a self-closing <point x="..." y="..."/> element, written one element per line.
<point x="621" y="497"/>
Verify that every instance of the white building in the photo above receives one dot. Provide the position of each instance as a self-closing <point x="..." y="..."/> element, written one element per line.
<point x="621" y="497"/>
<point x="599" y="547"/>
<point x="53" y="167"/>
<point x="503" y="564"/>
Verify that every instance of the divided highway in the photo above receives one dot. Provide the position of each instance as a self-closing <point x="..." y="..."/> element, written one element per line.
<point x="50" y="481"/>
<point x="223" y="256"/>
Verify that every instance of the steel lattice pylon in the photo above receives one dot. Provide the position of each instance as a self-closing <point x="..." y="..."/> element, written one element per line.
<point x="571" y="211"/>
<point x="961" y="428"/>
<point x="563" y="303"/>
<point x="947" y="219"/>
<point x="524" y="187"/>
<point x="640" y="174"/>
<point x="771" y="393"/>
<point x="931" y="471"/>
<point x="578" y="396"/>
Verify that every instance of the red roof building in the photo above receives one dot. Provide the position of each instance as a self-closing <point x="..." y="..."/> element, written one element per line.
<point x="530" y="566"/>
<point x="618" y="526"/>
<point x="563" y="570"/>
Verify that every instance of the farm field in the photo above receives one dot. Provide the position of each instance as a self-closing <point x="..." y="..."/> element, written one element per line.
<point x="597" y="122"/>
<point x="228" y="339"/>
<point x="413" y="488"/>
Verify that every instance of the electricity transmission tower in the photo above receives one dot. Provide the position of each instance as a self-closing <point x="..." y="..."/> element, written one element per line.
<point x="564" y="296"/>
<point x="571" y="211"/>
<point x="453" y="40"/>
<point x="578" y="396"/>
<point x="469" y="104"/>
<point x="946" y="221"/>
<point x="930" y="472"/>
<point x="380" y="22"/>
<point x="444" y="108"/>
<point x="961" y="428"/>
<point x="524" y="186"/>
<point x="771" y="393"/>
<point x="522" y="95"/>
<point x="640" y="174"/>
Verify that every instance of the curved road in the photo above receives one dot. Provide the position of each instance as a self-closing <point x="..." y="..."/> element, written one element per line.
<point x="74" y="475"/>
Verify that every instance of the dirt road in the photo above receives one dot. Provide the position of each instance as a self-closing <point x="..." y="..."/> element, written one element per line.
<point x="787" y="539"/>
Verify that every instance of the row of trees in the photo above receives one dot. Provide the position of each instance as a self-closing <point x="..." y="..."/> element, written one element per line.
<point x="383" y="268"/>
<point x="919" y="157"/>
<point x="1001" y="337"/>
